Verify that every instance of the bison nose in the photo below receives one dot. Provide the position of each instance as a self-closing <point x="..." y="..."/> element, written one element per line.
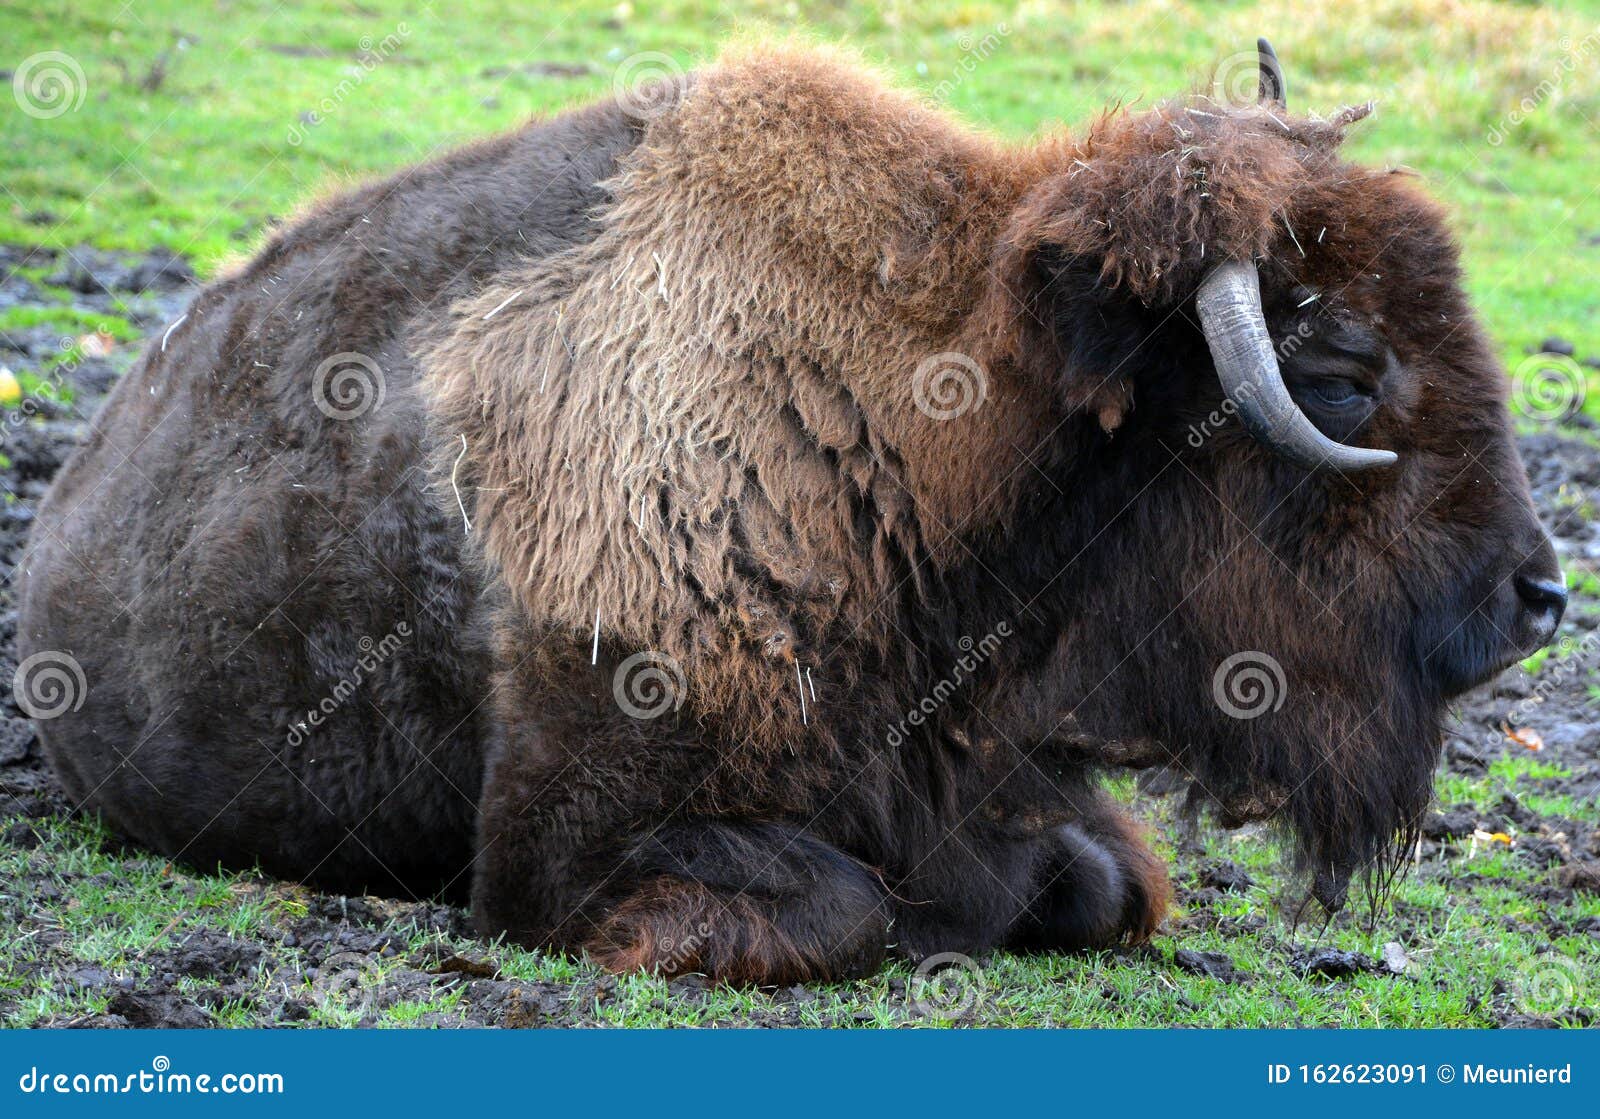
<point x="1544" y="600"/>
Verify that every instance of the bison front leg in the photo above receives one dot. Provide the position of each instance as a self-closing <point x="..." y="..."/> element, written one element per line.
<point x="751" y="903"/>
<point x="583" y="850"/>
<point x="1097" y="885"/>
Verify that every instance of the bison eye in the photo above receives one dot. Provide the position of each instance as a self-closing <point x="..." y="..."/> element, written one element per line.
<point x="1339" y="393"/>
<point x="1338" y="405"/>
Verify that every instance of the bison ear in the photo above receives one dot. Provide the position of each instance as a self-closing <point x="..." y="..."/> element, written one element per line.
<point x="1068" y="330"/>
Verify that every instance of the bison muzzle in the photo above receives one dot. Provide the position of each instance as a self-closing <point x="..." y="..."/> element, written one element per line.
<point x="732" y="530"/>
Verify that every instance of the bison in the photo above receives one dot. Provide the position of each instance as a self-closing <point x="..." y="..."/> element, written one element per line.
<point x="733" y="528"/>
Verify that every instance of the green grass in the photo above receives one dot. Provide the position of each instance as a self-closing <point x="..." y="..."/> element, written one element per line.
<point x="84" y="900"/>
<point x="207" y="160"/>
<point x="1521" y="777"/>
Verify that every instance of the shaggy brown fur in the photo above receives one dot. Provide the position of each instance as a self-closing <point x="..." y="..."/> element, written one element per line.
<point x="685" y="432"/>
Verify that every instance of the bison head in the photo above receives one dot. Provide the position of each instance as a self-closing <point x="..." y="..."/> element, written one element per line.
<point x="1297" y="524"/>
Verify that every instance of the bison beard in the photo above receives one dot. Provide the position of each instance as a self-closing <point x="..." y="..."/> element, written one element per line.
<point x="685" y="380"/>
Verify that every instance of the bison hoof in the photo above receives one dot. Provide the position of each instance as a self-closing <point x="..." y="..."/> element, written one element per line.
<point x="1097" y="891"/>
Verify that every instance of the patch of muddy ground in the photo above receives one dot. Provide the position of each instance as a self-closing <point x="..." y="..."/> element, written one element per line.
<point x="301" y="949"/>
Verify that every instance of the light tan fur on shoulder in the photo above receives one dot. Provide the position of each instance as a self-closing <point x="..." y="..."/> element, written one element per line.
<point x="685" y="422"/>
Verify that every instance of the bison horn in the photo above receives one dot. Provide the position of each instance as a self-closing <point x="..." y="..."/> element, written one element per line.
<point x="1272" y="85"/>
<point x="1229" y="305"/>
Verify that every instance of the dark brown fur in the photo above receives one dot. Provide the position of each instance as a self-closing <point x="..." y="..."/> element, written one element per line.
<point x="690" y="407"/>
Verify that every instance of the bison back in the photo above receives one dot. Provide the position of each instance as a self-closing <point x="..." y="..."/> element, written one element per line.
<point x="280" y="654"/>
